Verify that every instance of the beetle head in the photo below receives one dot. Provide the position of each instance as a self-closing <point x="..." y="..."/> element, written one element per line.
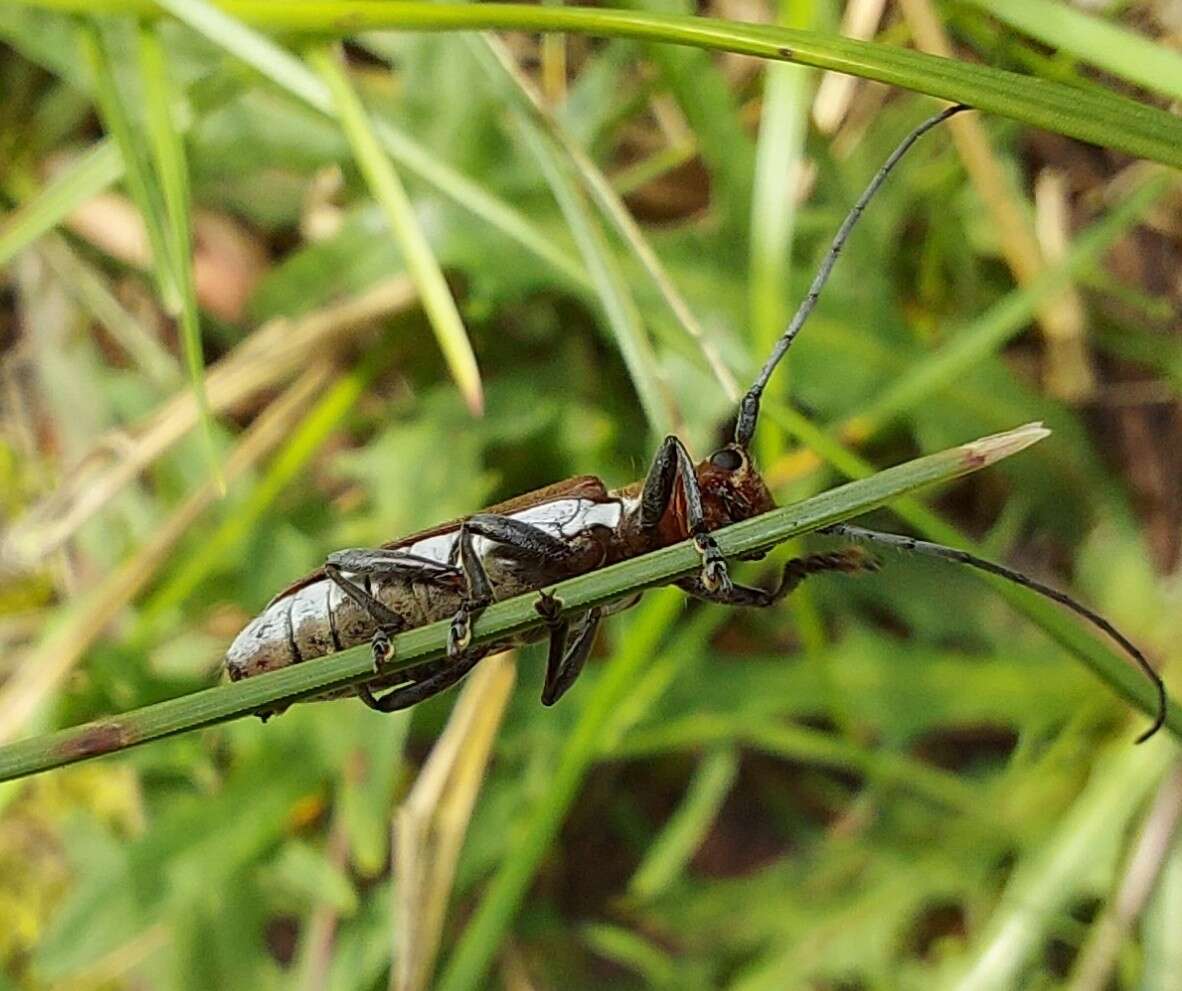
<point x="732" y="489"/>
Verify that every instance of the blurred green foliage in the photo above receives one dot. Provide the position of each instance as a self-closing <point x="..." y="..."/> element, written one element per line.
<point x="877" y="789"/>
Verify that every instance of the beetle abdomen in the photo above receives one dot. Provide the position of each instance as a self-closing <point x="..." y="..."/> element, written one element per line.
<point x="319" y="619"/>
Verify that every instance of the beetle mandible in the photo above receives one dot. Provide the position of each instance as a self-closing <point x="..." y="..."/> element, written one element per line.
<point x="457" y="569"/>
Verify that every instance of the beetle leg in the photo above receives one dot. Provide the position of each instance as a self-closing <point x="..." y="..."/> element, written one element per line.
<point x="671" y="463"/>
<point x="385" y="562"/>
<point x="850" y="560"/>
<point x="567" y="655"/>
<point x="477" y="596"/>
<point x="526" y="543"/>
<point x="389" y="623"/>
<point x="412" y="694"/>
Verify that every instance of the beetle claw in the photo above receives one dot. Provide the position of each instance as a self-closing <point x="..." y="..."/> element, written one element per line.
<point x="459" y="635"/>
<point x="383" y="650"/>
<point x="715" y="576"/>
<point x="549" y="607"/>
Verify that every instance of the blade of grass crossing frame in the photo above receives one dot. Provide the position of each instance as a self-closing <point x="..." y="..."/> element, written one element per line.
<point x="307" y="438"/>
<point x="1091" y="113"/>
<point x="168" y="150"/>
<point x="688" y="825"/>
<point x="90" y="173"/>
<point x="140" y="181"/>
<point x="496" y="59"/>
<point x="779" y="151"/>
<point x="391" y="195"/>
<point x="485" y="933"/>
<point x="1113" y="668"/>
<point x="94" y="170"/>
<point x="292" y="76"/>
<point x="619" y="308"/>
<point x="504" y="619"/>
<point x="1107" y="46"/>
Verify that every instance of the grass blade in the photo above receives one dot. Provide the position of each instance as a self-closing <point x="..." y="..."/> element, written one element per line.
<point x="217" y="705"/>
<point x="292" y="76"/>
<point x="613" y="291"/>
<point x="1115" y="671"/>
<point x="141" y="184"/>
<point x="169" y="153"/>
<point x="1107" y="46"/>
<point x="495" y="57"/>
<point x="93" y="171"/>
<point x="688" y="825"/>
<point x="1092" y="114"/>
<point x="391" y="195"/>
<point x="778" y="154"/>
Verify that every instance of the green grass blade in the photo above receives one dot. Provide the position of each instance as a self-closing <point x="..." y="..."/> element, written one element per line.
<point x="292" y="76"/>
<point x="94" y="171"/>
<point x="652" y="963"/>
<point x="1107" y="46"/>
<point x="613" y="291"/>
<point x="217" y="705"/>
<point x="1009" y="317"/>
<point x="98" y="167"/>
<point x="778" y="153"/>
<point x="172" y="171"/>
<point x="500" y="64"/>
<point x="1091" y="114"/>
<point x="688" y="825"/>
<point x="141" y="184"/>
<point x="391" y="195"/>
<point x="1113" y="669"/>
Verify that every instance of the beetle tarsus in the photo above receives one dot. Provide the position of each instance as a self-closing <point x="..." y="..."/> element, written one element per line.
<point x="851" y="560"/>
<point x="416" y="692"/>
<point x="383" y="650"/>
<point x="715" y="577"/>
<point x="568" y="654"/>
<point x="549" y="607"/>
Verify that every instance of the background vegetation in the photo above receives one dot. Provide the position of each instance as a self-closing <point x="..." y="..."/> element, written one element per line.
<point x="890" y="782"/>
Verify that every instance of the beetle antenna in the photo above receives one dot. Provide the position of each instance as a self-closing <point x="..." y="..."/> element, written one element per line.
<point x="749" y="406"/>
<point x="902" y="543"/>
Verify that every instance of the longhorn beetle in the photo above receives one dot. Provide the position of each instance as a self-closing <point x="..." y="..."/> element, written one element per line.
<point x="457" y="569"/>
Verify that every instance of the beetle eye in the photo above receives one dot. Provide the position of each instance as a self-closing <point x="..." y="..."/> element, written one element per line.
<point x="728" y="459"/>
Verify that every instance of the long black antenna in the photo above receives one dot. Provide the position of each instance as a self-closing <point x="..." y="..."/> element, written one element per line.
<point x="899" y="542"/>
<point x="749" y="406"/>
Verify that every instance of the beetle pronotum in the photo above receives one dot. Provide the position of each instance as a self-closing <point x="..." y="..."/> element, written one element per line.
<point x="457" y="569"/>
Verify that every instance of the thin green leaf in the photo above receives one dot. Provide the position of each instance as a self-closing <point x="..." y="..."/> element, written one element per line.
<point x="615" y="295"/>
<point x="630" y="950"/>
<point x="292" y="76"/>
<point x="1091" y="114"/>
<point x="98" y="168"/>
<point x="505" y="619"/>
<point x="1107" y="46"/>
<point x="689" y="824"/>
<point x="1114" y="670"/>
<point x="93" y="171"/>
<point x="172" y="171"/>
<point x="141" y="184"/>
<point x="499" y="63"/>
<point x="391" y="195"/>
<point x="778" y="154"/>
